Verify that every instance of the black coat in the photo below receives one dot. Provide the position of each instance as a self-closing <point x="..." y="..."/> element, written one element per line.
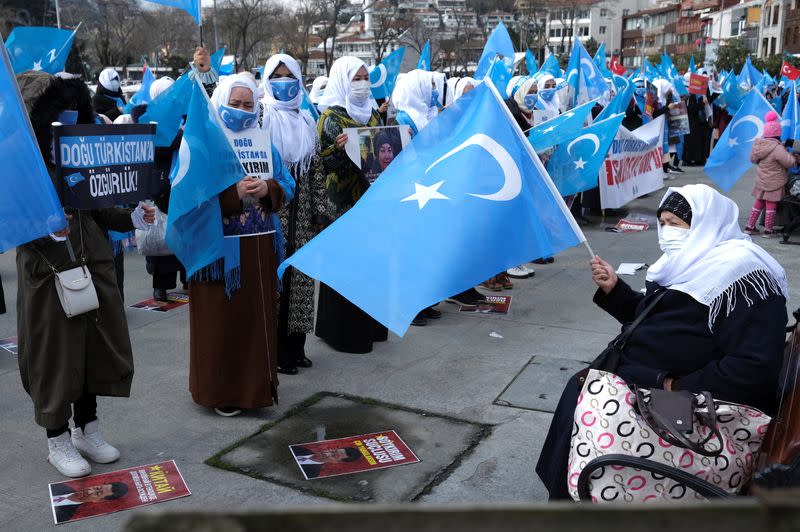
<point x="739" y="361"/>
<point x="105" y="103"/>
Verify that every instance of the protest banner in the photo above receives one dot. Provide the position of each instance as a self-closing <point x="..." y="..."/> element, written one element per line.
<point x="374" y="148"/>
<point x="354" y="454"/>
<point x="116" y="491"/>
<point x="491" y="305"/>
<point x="698" y="84"/>
<point x="174" y="300"/>
<point x="633" y="165"/>
<point x="99" y="165"/>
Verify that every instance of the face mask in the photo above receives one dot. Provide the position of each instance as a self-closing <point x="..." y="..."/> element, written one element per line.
<point x="360" y="90"/>
<point x="237" y="119"/>
<point x="672" y="239"/>
<point x="434" y="98"/>
<point x="530" y="101"/>
<point x="321" y="92"/>
<point x="547" y="94"/>
<point x="284" y="89"/>
<point x="68" y="118"/>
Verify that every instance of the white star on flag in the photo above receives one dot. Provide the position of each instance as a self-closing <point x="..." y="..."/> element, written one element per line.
<point x="424" y="194"/>
<point x="37" y="65"/>
<point x="733" y="141"/>
<point x="580" y="163"/>
<point x="549" y="129"/>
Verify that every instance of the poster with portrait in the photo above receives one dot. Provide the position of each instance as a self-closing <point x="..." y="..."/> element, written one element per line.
<point x="354" y="454"/>
<point x="374" y="148"/>
<point x="678" y="119"/>
<point x="116" y="491"/>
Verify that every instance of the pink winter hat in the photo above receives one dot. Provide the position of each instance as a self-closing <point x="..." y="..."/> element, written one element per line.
<point x="772" y="125"/>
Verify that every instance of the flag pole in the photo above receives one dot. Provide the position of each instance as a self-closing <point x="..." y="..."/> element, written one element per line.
<point x="58" y="16"/>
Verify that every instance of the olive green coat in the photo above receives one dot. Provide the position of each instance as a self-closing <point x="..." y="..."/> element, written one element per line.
<point x="62" y="358"/>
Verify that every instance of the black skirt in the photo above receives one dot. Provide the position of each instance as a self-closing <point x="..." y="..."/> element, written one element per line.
<point x="344" y="326"/>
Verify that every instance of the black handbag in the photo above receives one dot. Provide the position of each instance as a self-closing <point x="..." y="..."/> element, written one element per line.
<point x="610" y="358"/>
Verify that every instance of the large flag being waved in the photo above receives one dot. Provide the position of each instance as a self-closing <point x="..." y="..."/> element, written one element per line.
<point x="790" y="121"/>
<point x="749" y="76"/>
<point x="383" y="76"/>
<point x="168" y="110"/>
<point x="499" y="74"/>
<point x="142" y="96"/>
<point x="620" y="102"/>
<point x="530" y="62"/>
<point x="551" y="66"/>
<point x="600" y="60"/>
<point x="583" y="75"/>
<point x="730" y="158"/>
<point x="39" y="48"/>
<point x="424" y="62"/>
<point x="206" y="166"/>
<point x="427" y="229"/>
<point x="498" y="44"/>
<point x="732" y="93"/>
<point x="29" y="206"/>
<point x="575" y="165"/>
<point x="562" y="128"/>
<point x="190" y="6"/>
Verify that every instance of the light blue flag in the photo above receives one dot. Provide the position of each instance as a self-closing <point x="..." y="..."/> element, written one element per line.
<point x="620" y="82"/>
<point x="561" y="128"/>
<point x="530" y="62"/>
<point x="732" y="93"/>
<point x="669" y="71"/>
<point x="498" y="44"/>
<point x="29" y="206"/>
<point x="730" y="158"/>
<point x="600" y="60"/>
<point x="168" y="109"/>
<point x="423" y="231"/>
<point x="552" y="67"/>
<point x="383" y="76"/>
<point x="206" y="166"/>
<point x="142" y="96"/>
<point x="308" y="105"/>
<point x="649" y="71"/>
<point x="790" y="121"/>
<point x="575" y="165"/>
<point x="227" y="66"/>
<point x="499" y="74"/>
<point x="39" y="48"/>
<point x="190" y="6"/>
<point x="619" y="104"/>
<point x="583" y="75"/>
<point x="749" y="76"/>
<point x="216" y="60"/>
<point x="692" y="66"/>
<point x="424" y="62"/>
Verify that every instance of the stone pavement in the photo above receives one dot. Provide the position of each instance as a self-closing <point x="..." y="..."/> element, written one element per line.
<point x="455" y="368"/>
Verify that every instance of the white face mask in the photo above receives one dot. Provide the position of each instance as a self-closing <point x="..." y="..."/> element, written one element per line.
<point x="360" y="90"/>
<point x="672" y="239"/>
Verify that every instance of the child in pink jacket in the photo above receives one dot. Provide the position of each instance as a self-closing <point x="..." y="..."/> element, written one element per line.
<point x="773" y="162"/>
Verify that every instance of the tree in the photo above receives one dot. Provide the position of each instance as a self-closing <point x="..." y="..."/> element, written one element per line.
<point x="387" y="25"/>
<point x="732" y="55"/>
<point x="249" y="27"/>
<point x="306" y="14"/>
<point x="331" y="11"/>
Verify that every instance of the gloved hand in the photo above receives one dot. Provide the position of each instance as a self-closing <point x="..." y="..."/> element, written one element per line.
<point x="143" y="217"/>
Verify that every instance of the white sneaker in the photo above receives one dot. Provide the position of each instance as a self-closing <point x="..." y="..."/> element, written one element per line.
<point x="92" y="445"/>
<point x="527" y="269"/>
<point x="518" y="273"/>
<point x="66" y="458"/>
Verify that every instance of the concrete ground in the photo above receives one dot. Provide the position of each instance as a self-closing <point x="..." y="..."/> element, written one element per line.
<point x="454" y="366"/>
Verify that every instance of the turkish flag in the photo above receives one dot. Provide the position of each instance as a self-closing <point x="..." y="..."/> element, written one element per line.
<point x="789" y="71"/>
<point x="617" y="68"/>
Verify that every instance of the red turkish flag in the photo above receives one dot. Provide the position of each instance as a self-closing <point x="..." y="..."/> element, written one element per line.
<point x="617" y="68"/>
<point x="789" y="71"/>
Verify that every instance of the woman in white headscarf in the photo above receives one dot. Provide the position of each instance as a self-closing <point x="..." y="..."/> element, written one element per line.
<point x="718" y="323"/>
<point x="232" y="322"/>
<point x="317" y="89"/>
<point x="294" y="134"/>
<point x="667" y="98"/>
<point x="416" y="100"/>
<point x="548" y="100"/>
<point x="463" y="86"/>
<point x="347" y="103"/>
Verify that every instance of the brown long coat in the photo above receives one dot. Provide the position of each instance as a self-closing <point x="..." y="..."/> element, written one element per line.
<point x="62" y="358"/>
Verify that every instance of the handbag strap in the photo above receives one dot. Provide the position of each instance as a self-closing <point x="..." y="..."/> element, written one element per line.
<point x="69" y="249"/>
<point x="620" y="340"/>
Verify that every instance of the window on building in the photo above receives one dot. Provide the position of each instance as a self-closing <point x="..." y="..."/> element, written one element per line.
<point x="583" y="31"/>
<point x="602" y="30"/>
<point x="625" y="12"/>
<point x="603" y="12"/>
<point x="583" y="14"/>
<point x="774" y="48"/>
<point x="776" y="13"/>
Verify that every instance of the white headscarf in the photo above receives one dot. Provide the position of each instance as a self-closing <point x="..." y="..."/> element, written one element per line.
<point x="222" y="94"/>
<point x="316" y="87"/>
<point x="109" y="79"/>
<point x="461" y="85"/>
<point x="554" y="105"/>
<point x="159" y="86"/>
<point x="663" y="86"/>
<point x="338" y="90"/>
<point x="522" y="91"/>
<point x="717" y="259"/>
<point x="512" y="84"/>
<point x="294" y="132"/>
<point x="412" y="94"/>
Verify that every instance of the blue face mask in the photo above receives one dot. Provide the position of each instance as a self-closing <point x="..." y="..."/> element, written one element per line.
<point x="530" y="100"/>
<point x="548" y="94"/>
<point x="237" y="119"/>
<point x="434" y="98"/>
<point x="284" y="89"/>
<point x="68" y="118"/>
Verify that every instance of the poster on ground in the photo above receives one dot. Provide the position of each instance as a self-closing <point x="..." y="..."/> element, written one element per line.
<point x="354" y="454"/>
<point x="100" y="165"/>
<point x="10" y="345"/>
<point x="491" y="305"/>
<point x="116" y="491"/>
<point x="373" y="149"/>
<point x="174" y="300"/>
<point x="633" y="165"/>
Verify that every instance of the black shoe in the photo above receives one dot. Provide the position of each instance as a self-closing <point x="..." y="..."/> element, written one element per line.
<point x="304" y="363"/>
<point x="476" y="295"/>
<point x="464" y="299"/>
<point x="290" y="370"/>
<point x="546" y="260"/>
<point x="420" y="320"/>
<point x="159" y="294"/>
<point x="431" y="313"/>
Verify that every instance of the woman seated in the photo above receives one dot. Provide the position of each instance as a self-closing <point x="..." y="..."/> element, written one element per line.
<point x="719" y="327"/>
